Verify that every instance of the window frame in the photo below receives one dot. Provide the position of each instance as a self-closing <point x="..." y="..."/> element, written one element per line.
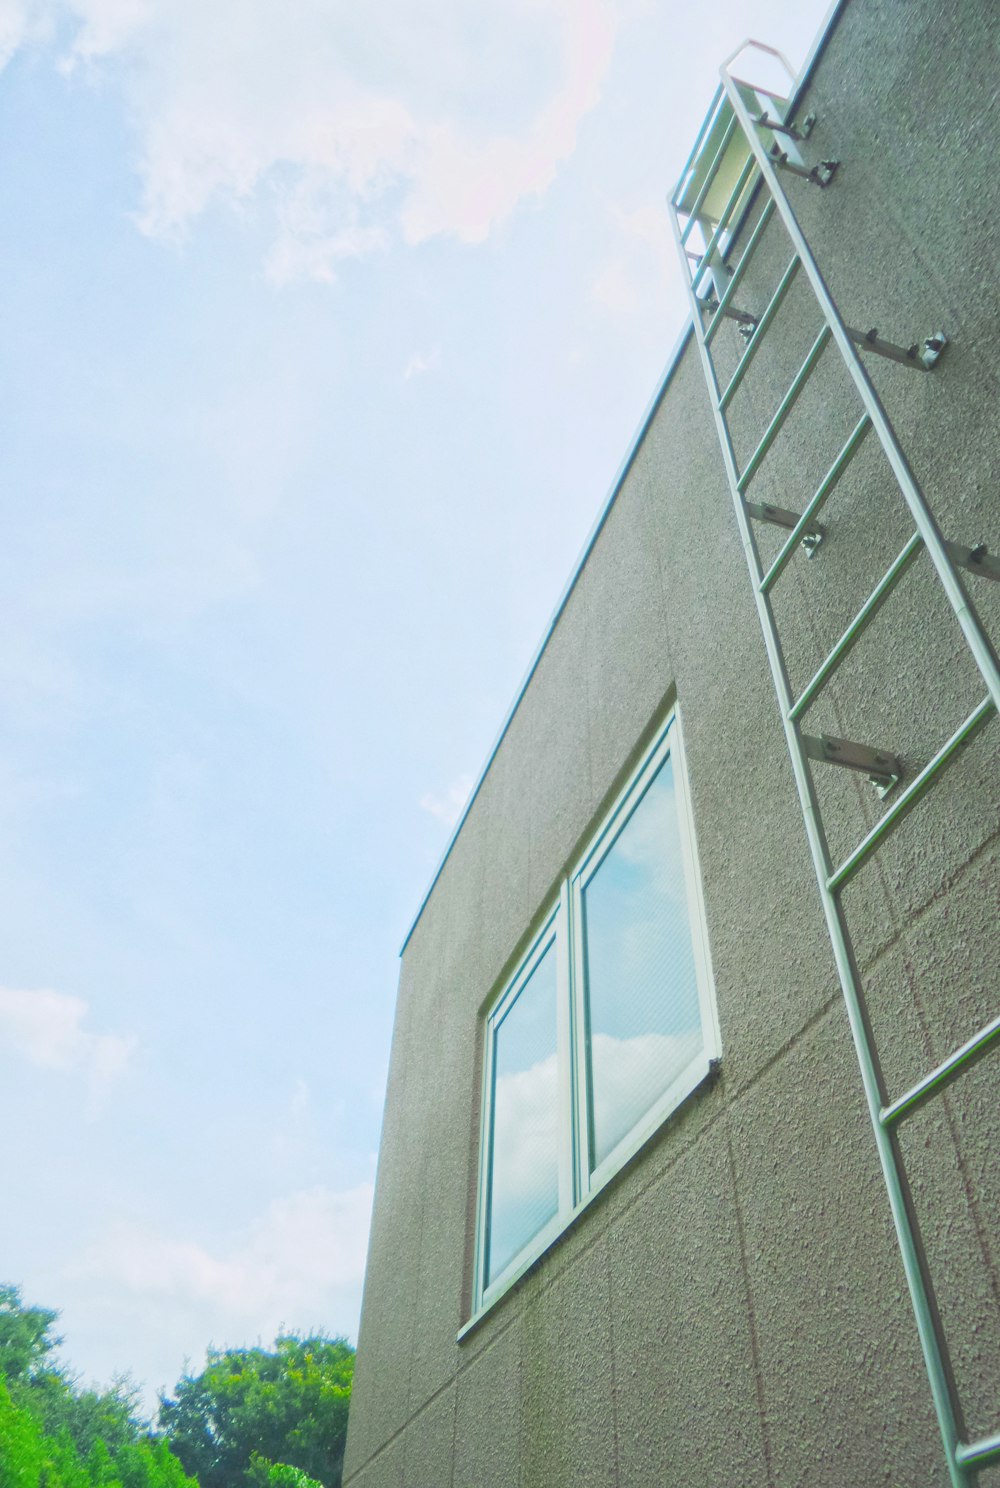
<point x="563" y="929"/>
<point x="614" y="823"/>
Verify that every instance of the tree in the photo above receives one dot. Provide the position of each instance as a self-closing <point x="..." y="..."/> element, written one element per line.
<point x="264" y="1474"/>
<point x="26" y="1339"/>
<point x="253" y="1411"/>
<point x="55" y="1435"/>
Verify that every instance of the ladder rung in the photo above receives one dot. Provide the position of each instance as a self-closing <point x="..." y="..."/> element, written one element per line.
<point x="723" y="222"/>
<point x="980" y="1453"/>
<point x="827" y="484"/>
<point x="976" y="560"/>
<point x="739" y="270"/>
<point x="868" y="610"/>
<point x="944" y="1074"/>
<point x="784" y="285"/>
<point x="784" y="408"/>
<point x="911" y="795"/>
<point x="699" y="200"/>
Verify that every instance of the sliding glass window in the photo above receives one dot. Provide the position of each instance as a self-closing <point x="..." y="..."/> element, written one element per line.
<point x="523" y="1189"/>
<point x="606" y="1026"/>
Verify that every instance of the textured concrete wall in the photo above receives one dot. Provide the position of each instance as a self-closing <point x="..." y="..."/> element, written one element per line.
<point x="732" y="1308"/>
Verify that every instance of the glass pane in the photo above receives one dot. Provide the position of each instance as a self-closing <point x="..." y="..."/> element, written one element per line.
<point x="643" y="1021"/>
<point x="524" y="1188"/>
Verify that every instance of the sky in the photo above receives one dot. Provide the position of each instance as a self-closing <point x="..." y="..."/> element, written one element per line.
<point x="325" y="330"/>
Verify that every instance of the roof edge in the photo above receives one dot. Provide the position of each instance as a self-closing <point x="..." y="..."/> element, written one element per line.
<point x="563" y="600"/>
<point x="805" y="73"/>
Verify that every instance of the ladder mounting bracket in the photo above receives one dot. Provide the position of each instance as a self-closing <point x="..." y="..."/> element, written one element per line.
<point x="762" y="511"/>
<point x="922" y="356"/>
<point x="819" y="175"/>
<point x="882" y="768"/>
<point x="929" y="353"/>
<point x="977" y="560"/>
<point x="794" y="131"/>
<point x="746" y="323"/>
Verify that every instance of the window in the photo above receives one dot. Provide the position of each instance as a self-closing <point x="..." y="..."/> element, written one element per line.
<point x="605" y="1027"/>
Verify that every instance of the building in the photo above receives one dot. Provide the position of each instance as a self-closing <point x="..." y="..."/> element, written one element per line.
<point x="689" y="1165"/>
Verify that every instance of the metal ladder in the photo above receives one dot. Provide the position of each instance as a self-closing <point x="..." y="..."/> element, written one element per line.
<point x="747" y="141"/>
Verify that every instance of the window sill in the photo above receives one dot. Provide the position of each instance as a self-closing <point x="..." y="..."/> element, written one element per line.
<point x="700" y="1072"/>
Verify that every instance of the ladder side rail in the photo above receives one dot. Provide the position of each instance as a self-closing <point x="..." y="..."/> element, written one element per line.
<point x="707" y="123"/>
<point x="722" y="226"/>
<point x="978" y="641"/>
<point x="706" y="187"/>
<point x="904" y="1217"/>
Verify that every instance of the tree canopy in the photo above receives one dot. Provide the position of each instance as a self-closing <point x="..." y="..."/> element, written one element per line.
<point x="26" y="1340"/>
<point x="53" y="1434"/>
<point x="253" y="1418"/>
<point x="253" y="1411"/>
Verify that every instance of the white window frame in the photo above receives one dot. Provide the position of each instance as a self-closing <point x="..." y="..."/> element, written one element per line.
<point x="563" y="928"/>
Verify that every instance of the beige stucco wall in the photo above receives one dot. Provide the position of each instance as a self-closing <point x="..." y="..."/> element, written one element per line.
<point x="733" y="1309"/>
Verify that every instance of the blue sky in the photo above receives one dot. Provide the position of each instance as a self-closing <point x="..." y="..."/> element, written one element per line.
<point x="325" y="330"/>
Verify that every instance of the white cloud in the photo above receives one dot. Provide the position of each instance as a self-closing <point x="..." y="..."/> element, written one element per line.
<point x="46" y="1029"/>
<point x="525" y="1133"/>
<point x="418" y="364"/>
<point x="641" y="258"/>
<point x="615" y="288"/>
<point x="351" y="125"/>
<point x="448" y="805"/>
<point x="288" y="1268"/>
<point x="22" y="22"/>
<point x="631" y="1074"/>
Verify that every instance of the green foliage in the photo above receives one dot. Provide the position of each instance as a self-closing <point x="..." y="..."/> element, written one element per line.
<point x="54" y="1435"/>
<point x="254" y="1411"/>
<point x="85" y="1416"/>
<point x="264" y="1474"/>
<point x="25" y="1336"/>
<point x="253" y="1418"/>
<point x="21" y="1455"/>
